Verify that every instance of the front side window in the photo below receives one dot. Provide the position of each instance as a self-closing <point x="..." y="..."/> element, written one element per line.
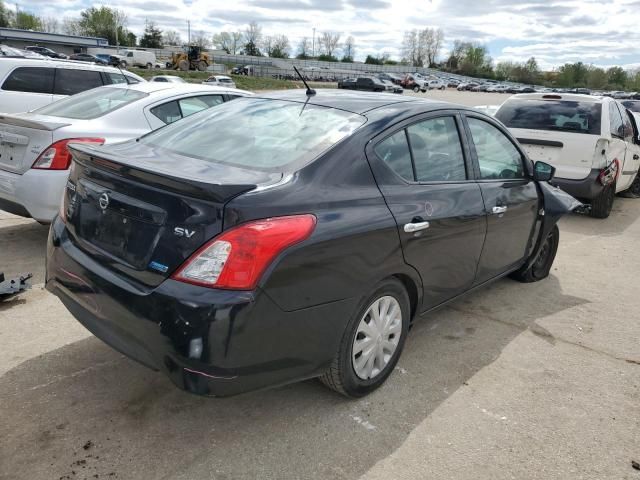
<point x="275" y="134"/>
<point x="72" y="81"/>
<point x="92" y="103"/>
<point x="30" y="79"/>
<point x="437" y="152"/>
<point x="498" y="158"/>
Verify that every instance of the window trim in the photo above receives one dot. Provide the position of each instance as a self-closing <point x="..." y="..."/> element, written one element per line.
<point x="404" y="125"/>
<point x="527" y="164"/>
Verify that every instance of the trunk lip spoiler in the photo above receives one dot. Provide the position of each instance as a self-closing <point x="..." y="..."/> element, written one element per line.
<point x="92" y="157"/>
<point x="23" y="121"/>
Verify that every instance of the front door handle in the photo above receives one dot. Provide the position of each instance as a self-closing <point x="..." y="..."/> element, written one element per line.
<point x="415" y="227"/>
<point x="498" y="210"/>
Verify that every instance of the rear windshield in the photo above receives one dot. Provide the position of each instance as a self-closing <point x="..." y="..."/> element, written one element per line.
<point x="559" y="115"/>
<point x="633" y="105"/>
<point x="92" y="103"/>
<point x="258" y="133"/>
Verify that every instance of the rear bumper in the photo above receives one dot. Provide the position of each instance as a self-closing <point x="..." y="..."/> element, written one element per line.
<point x="584" y="189"/>
<point x="209" y="342"/>
<point x="36" y="193"/>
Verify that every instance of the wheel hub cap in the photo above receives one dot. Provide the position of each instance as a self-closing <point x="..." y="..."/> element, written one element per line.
<point x="377" y="337"/>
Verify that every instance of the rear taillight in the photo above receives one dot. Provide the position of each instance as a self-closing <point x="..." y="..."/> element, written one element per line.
<point x="237" y="258"/>
<point x="57" y="156"/>
<point x="610" y="174"/>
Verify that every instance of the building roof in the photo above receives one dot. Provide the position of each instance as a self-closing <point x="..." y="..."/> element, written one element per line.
<point x="52" y="38"/>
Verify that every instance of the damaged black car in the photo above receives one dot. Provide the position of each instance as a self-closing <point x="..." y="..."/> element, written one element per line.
<point x="301" y="245"/>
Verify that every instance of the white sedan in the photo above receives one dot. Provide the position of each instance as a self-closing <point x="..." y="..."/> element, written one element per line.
<point x="220" y="80"/>
<point x="34" y="160"/>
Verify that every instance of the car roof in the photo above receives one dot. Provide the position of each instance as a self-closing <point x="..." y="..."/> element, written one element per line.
<point x="355" y="102"/>
<point x="572" y="97"/>
<point x="57" y="63"/>
<point x="177" y="88"/>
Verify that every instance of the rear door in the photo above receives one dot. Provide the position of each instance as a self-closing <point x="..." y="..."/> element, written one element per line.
<point x="617" y="150"/>
<point x="423" y="170"/>
<point x="631" y="162"/>
<point x="70" y="81"/>
<point x="510" y="197"/>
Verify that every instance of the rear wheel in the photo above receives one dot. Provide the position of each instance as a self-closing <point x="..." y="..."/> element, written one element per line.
<point x="149" y="66"/>
<point x="202" y="65"/>
<point x="123" y="64"/>
<point x="416" y="89"/>
<point x="372" y="342"/>
<point x="541" y="267"/>
<point x="601" y="205"/>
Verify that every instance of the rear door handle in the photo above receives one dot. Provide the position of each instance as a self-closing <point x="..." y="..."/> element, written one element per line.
<point x="498" y="210"/>
<point x="415" y="227"/>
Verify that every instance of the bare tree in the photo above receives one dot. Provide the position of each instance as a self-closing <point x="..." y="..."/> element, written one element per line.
<point x="71" y="26"/>
<point x="236" y="38"/>
<point x="223" y="41"/>
<point x="280" y="47"/>
<point x="410" y="50"/>
<point x="434" y="45"/>
<point x="304" y="48"/>
<point x="253" y="33"/>
<point x="171" y="37"/>
<point x="349" y="48"/>
<point x="329" y="42"/>
<point x="267" y="44"/>
<point x="201" y="39"/>
<point x="50" y="25"/>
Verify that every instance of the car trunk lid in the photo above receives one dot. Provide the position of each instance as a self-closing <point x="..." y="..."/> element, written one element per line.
<point x="23" y="137"/>
<point x="142" y="220"/>
<point x="572" y="154"/>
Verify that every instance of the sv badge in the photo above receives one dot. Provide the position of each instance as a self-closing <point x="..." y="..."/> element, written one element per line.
<point x="183" y="232"/>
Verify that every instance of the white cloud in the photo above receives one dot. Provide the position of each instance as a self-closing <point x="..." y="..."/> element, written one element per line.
<point x="554" y="31"/>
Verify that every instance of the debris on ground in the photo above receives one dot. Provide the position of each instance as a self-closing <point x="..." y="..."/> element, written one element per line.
<point x="88" y="445"/>
<point x="635" y="464"/>
<point x="14" y="286"/>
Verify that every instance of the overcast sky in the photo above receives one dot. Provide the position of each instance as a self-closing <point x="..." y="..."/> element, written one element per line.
<point x="599" y="32"/>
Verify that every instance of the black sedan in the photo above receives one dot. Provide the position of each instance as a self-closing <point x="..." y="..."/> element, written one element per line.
<point x="368" y="84"/>
<point x="302" y="245"/>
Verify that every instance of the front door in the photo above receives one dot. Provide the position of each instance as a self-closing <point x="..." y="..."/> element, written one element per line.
<point x="425" y="176"/>
<point x="510" y="197"/>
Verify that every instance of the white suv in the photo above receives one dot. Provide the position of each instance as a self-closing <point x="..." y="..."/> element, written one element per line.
<point x="591" y="141"/>
<point x="29" y="83"/>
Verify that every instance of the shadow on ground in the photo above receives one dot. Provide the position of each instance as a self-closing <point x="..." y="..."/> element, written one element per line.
<point x="84" y="411"/>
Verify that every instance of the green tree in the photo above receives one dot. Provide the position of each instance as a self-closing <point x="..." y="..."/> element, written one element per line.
<point x="371" y="60"/>
<point x="5" y="15"/>
<point x="616" y="77"/>
<point x="152" y="36"/>
<point x="596" y="78"/>
<point x="27" y="21"/>
<point x="102" y="22"/>
<point x="130" y="39"/>
<point x="573" y="75"/>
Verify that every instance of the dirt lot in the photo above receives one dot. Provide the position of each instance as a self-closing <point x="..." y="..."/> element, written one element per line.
<point x="537" y="381"/>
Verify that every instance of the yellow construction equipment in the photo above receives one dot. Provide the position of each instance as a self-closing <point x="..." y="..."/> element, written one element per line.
<point x="193" y="58"/>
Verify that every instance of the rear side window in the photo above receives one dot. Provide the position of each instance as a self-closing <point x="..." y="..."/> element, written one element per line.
<point x="437" y="152"/>
<point x="114" y="78"/>
<point x="615" y="121"/>
<point x="192" y="105"/>
<point x="394" y="151"/>
<point x="274" y="135"/>
<point x="30" y="79"/>
<point x="168" y="112"/>
<point x="72" y="81"/>
<point x="558" y="115"/>
<point x="633" y="105"/>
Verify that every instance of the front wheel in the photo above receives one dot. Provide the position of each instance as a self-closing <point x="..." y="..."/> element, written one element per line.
<point x="541" y="267"/>
<point x="202" y="66"/>
<point x="416" y="89"/>
<point x="601" y="205"/>
<point x="372" y="342"/>
<point x="149" y="66"/>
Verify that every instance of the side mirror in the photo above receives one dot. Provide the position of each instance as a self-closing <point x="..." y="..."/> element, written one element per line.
<point x="543" y="172"/>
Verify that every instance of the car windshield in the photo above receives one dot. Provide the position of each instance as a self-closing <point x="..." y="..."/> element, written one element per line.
<point x="560" y="115"/>
<point x="92" y="103"/>
<point x="633" y="105"/>
<point x="268" y="135"/>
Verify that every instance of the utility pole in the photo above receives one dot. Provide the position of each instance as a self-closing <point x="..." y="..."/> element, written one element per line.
<point x="313" y="48"/>
<point x="189" y="32"/>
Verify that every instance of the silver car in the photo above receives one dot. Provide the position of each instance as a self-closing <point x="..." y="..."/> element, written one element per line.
<point x="34" y="160"/>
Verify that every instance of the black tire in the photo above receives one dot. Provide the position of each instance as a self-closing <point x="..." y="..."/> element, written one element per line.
<point x="416" y="89"/>
<point x="149" y="66"/>
<point x="601" y="205"/>
<point x="341" y="376"/>
<point x="540" y="269"/>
